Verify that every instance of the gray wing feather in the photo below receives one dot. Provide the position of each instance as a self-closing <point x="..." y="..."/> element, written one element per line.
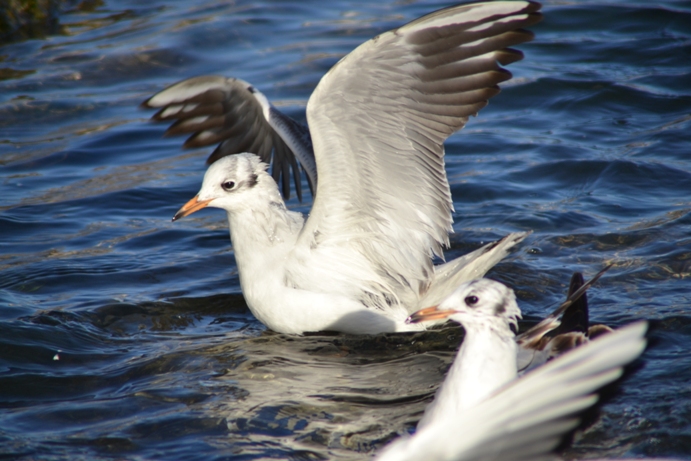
<point x="233" y="114"/>
<point x="379" y="119"/>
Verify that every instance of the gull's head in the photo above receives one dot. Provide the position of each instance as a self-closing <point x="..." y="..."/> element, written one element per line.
<point x="476" y="303"/>
<point x="229" y="183"/>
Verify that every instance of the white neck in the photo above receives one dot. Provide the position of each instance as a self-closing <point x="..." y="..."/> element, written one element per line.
<point x="485" y="362"/>
<point x="263" y="235"/>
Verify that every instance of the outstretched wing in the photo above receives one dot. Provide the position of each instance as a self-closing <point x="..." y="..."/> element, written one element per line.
<point x="236" y="116"/>
<point x="378" y="120"/>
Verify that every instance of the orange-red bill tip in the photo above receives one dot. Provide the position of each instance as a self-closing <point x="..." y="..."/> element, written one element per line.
<point x="190" y="207"/>
<point x="429" y="313"/>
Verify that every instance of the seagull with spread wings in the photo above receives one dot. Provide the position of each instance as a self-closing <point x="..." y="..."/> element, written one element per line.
<point x="363" y="260"/>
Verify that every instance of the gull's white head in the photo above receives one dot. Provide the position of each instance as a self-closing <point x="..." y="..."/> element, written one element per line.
<point x="477" y="303"/>
<point x="229" y="183"/>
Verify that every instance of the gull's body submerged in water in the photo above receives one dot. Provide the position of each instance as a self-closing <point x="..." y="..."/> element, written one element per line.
<point x="363" y="260"/>
<point x="483" y="410"/>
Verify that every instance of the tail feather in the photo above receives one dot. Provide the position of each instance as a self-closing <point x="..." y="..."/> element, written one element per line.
<point x="575" y="317"/>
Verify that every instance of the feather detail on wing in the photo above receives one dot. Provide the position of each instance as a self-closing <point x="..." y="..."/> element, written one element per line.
<point x="233" y="114"/>
<point x="381" y="161"/>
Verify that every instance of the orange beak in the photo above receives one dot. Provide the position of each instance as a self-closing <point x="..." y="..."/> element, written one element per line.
<point x="430" y="313"/>
<point x="190" y="207"/>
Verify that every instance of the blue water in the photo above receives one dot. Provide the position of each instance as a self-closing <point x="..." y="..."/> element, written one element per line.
<point x="125" y="336"/>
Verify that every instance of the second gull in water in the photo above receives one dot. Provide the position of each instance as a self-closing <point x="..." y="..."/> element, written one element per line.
<point x="483" y="410"/>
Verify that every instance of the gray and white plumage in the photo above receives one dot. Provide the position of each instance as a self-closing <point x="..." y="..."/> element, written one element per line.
<point x="363" y="260"/>
<point x="484" y="412"/>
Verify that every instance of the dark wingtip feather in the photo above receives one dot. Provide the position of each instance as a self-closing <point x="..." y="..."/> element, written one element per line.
<point x="522" y="36"/>
<point x="577" y="281"/>
<point x="508" y="56"/>
<point x="215" y="155"/>
<point x="158" y="116"/>
<point x="575" y="318"/>
<point x="298" y="183"/>
<point x="533" y="7"/>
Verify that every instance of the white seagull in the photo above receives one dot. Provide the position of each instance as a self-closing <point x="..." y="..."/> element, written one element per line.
<point x="491" y="353"/>
<point x="363" y="260"/>
<point x="483" y="411"/>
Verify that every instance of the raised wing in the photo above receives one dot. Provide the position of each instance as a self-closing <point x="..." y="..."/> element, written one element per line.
<point x="378" y="121"/>
<point x="527" y="419"/>
<point x="233" y="114"/>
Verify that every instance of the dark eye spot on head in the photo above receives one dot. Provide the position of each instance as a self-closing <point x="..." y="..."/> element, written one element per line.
<point x="471" y="300"/>
<point x="500" y="308"/>
<point x="251" y="89"/>
<point x="252" y="180"/>
<point x="228" y="185"/>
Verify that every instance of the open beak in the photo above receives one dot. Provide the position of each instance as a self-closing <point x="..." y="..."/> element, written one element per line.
<point x="190" y="207"/>
<point x="430" y="313"/>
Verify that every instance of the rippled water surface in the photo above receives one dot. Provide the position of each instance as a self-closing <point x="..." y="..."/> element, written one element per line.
<point x="125" y="336"/>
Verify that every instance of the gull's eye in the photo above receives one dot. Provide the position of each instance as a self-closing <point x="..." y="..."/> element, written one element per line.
<point x="471" y="300"/>
<point x="228" y="185"/>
